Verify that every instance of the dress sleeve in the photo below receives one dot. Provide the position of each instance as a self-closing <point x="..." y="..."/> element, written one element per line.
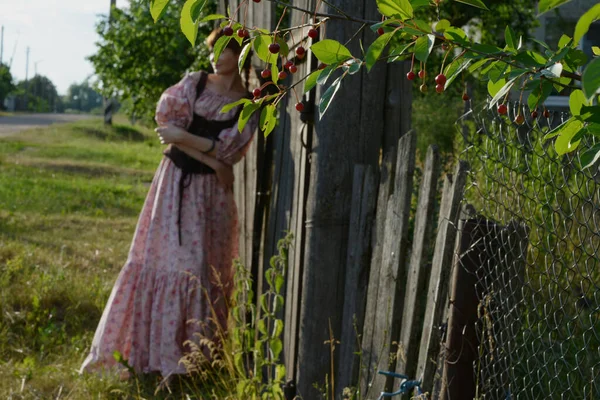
<point x="233" y="145"/>
<point x="175" y="105"/>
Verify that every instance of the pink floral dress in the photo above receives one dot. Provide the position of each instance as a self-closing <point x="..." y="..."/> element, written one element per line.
<point x="167" y="293"/>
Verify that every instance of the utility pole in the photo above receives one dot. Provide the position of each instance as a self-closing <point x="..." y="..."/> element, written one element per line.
<point x="27" y="65"/>
<point x="108" y="101"/>
<point x="2" y="45"/>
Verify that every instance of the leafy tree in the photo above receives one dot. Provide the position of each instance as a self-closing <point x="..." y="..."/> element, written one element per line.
<point x="38" y="94"/>
<point x="82" y="97"/>
<point x="6" y="83"/>
<point x="137" y="59"/>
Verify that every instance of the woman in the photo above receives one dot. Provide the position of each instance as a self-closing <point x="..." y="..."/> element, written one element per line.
<point x="179" y="268"/>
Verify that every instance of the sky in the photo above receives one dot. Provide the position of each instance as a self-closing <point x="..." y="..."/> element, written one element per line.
<point x="59" y="34"/>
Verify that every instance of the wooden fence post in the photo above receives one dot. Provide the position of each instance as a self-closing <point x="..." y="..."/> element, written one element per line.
<point x="440" y="273"/>
<point x="418" y="275"/>
<point x="364" y="195"/>
<point x="390" y="295"/>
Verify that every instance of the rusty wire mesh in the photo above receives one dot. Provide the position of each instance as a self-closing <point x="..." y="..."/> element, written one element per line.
<point x="538" y="252"/>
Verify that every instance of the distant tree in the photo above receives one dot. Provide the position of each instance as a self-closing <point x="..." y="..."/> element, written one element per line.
<point x="137" y="59"/>
<point x="82" y="97"/>
<point x="38" y="94"/>
<point x="6" y="83"/>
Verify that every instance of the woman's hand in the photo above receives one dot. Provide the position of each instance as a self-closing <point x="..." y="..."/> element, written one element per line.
<point x="225" y="175"/>
<point x="170" y="134"/>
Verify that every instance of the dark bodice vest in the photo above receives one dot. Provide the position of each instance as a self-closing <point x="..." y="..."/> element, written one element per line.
<point x="201" y="127"/>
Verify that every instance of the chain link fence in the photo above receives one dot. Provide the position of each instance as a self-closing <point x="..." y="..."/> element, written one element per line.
<point x="534" y="255"/>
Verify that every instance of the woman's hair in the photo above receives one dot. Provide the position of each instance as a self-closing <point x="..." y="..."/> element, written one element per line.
<point x="234" y="46"/>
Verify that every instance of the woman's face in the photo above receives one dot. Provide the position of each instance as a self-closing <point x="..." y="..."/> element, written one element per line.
<point x="227" y="62"/>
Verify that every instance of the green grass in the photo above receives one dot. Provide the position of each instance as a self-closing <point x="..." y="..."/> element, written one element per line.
<point x="69" y="199"/>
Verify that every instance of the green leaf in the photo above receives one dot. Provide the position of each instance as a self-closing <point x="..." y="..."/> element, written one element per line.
<point x="553" y="71"/>
<point x="423" y="47"/>
<point x="486" y="48"/>
<point x="329" y="95"/>
<point x="243" y="56"/>
<point x="583" y="25"/>
<point x="509" y="36"/>
<point x="220" y="45"/>
<point x="566" y="133"/>
<point x="247" y="111"/>
<point x="211" y="17"/>
<point x="590" y="114"/>
<point x="495" y="87"/>
<point x="231" y="106"/>
<point x="539" y="94"/>
<point x="590" y="80"/>
<point x="590" y="156"/>
<point x="457" y="35"/>
<point x="576" y="58"/>
<point x="543" y="44"/>
<point x="274" y="71"/>
<point x="261" y="48"/>
<point x="442" y="25"/>
<point x="576" y="101"/>
<point x="564" y="41"/>
<point x="478" y="65"/>
<point x="596" y="50"/>
<point x="275" y="345"/>
<point x="495" y="70"/>
<point x="280" y="372"/>
<point x="546" y="5"/>
<point x="531" y="59"/>
<point x="330" y="51"/>
<point x="197" y="9"/>
<point x="390" y="8"/>
<point x="157" y="8"/>
<point x="321" y="80"/>
<point x="376" y="48"/>
<point x="188" y="24"/>
<point x="268" y="120"/>
<point x="454" y="69"/>
<point x="502" y="92"/>
<point x="284" y="49"/>
<point x="352" y="66"/>
<point x="474" y="3"/>
<point x="311" y="81"/>
<point x="396" y="52"/>
<point x="423" y="26"/>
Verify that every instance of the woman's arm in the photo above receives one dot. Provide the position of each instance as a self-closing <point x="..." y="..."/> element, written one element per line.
<point x="176" y="135"/>
<point x="223" y="170"/>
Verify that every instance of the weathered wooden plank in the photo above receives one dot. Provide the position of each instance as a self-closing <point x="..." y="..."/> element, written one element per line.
<point x="364" y="195"/>
<point x="386" y="187"/>
<point x="418" y="275"/>
<point x="440" y="270"/>
<point x="393" y="262"/>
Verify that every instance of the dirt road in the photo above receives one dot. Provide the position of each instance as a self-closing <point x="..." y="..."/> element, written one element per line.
<point x="19" y="122"/>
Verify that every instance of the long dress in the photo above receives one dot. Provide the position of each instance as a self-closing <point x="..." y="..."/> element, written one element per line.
<point x="165" y="290"/>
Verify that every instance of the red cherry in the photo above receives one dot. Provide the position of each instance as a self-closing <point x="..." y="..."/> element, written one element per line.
<point x="322" y="66"/>
<point x="439" y="88"/>
<point x="410" y="76"/>
<point x="423" y="88"/>
<point x="228" y="31"/>
<point x="300" y="106"/>
<point x="313" y="33"/>
<point x="300" y="51"/>
<point x="242" y="33"/>
<point x="519" y="119"/>
<point x="440" y="79"/>
<point x="257" y="92"/>
<point x="274" y="48"/>
<point x="534" y="114"/>
<point x="465" y="97"/>
<point x="265" y="73"/>
<point x="380" y="31"/>
<point x="288" y="64"/>
<point x="502" y="109"/>
<point x="445" y="46"/>
<point x="256" y="1"/>
<point x="293" y="69"/>
<point x="282" y="75"/>
<point x="546" y="113"/>
<point x="422" y="74"/>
